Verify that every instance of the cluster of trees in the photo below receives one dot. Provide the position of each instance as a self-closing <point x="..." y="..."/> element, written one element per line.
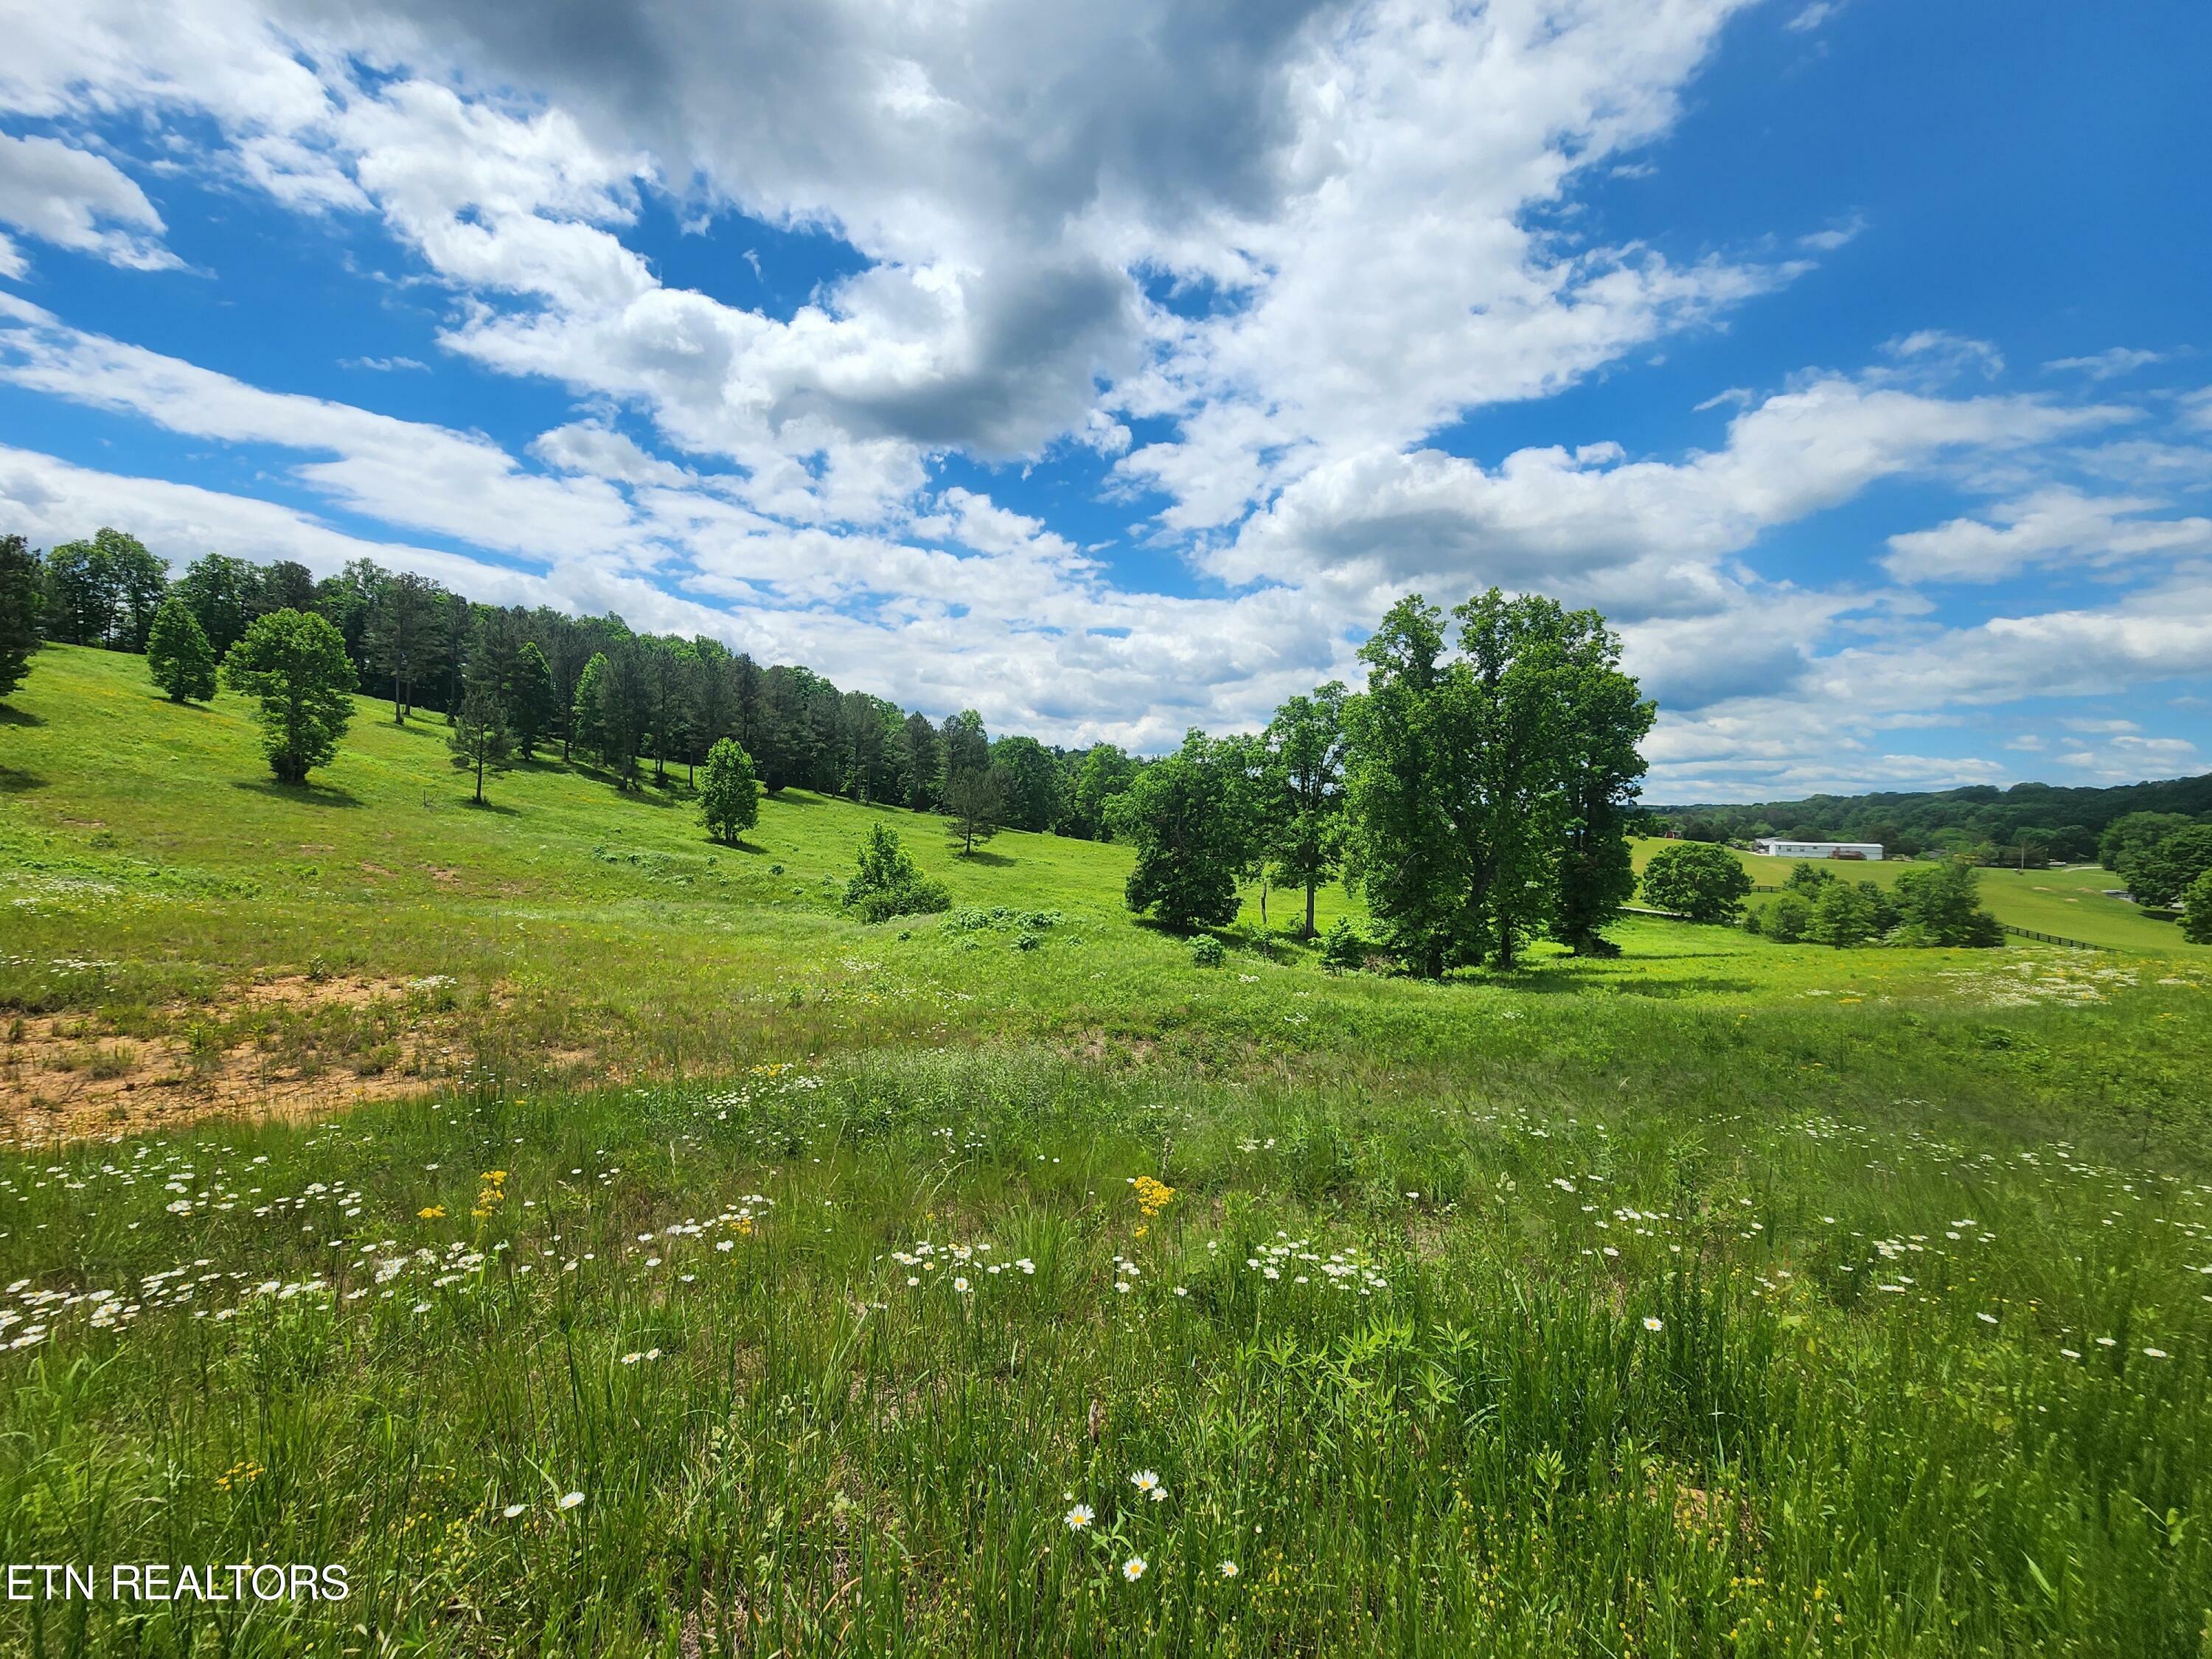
<point x="2161" y="856"/>
<point x="512" y="682"/>
<point x="1476" y="794"/>
<point x="2030" y="824"/>
<point x="1930" y="904"/>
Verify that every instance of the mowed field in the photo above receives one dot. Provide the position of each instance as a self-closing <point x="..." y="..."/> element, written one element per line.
<point x="2070" y="902"/>
<point x="593" y="1241"/>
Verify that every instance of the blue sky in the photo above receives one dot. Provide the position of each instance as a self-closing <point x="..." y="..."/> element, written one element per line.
<point x="1111" y="374"/>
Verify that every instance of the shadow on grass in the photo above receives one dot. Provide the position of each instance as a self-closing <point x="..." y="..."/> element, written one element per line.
<point x="497" y="809"/>
<point x="13" y="783"/>
<point x="19" y="717"/>
<point x="995" y="860"/>
<point x="305" y="794"/>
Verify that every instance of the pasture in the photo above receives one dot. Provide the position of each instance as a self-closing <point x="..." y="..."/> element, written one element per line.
<point x="597" y="1241"/>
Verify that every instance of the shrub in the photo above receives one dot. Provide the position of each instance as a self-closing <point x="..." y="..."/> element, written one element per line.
<point x="887" y="884"/>
<point x="1788" y="918"/>
<point x="1206" y="951"/>
<point x="1342" y="950"/>
<point x="1693" y="879"/>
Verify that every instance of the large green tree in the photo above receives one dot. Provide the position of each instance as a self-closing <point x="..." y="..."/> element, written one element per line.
<point x="295" y="664"/>
<point x="2159" y="876"/>
<point x="1603" y="720"/>
<point x="104" y="591"/>
<point x="2136" y="833"/>
<point x="405" y="635"/>
<point x="1032" y="782"/>
<point x="1400" y="779"/>
<point x="729" y="794"/>
<point x="1182" y="816"/>
<point x="922" y="762"/>
<point x="221" y="592"/>
<point x="2196" y="913"/>
<point x="1696" y="879"/>
<point x="530" y="699"/>
<point x="1304" y="824"/>
<point x="1942" y="904"/>
<point x="20" y="574"/>
<point x="178" y="654"/>
<point x="623" y="717"/>
<point x="1104" y="773"/>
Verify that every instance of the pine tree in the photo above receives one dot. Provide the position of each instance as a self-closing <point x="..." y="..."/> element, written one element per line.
<point x="530" y="699"/>
<point x="480" y="739"/>
<point x="20" y="581"/>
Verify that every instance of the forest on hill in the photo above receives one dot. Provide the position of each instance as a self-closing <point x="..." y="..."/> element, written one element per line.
<point x="2054" y="823"/>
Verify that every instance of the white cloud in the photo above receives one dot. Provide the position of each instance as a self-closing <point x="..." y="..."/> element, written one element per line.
<point x="1631" y="535"/>
<point x="2055" y="525"/>
<point x="79" y="201"/>
<point x="2108" y="364"/>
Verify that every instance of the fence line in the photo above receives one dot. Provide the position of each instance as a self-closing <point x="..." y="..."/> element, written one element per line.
<point x="2051" y="939"/>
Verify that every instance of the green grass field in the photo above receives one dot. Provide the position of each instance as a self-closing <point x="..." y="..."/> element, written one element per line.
<point x="596" y="1241"/>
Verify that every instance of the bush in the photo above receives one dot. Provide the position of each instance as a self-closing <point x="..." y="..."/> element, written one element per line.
<point x="1940" y="904"/>
<point x="887" y="884"/>
<point x="2196" y="916"/>
<point x="1693" y="879"/>
<point x="1788" y="918"/>
<point x="1844" y="914"/>
<point x="1206" y="951"/>
<point x="1342" y="950"/>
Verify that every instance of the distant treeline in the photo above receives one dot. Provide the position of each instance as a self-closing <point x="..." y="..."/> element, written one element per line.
<point x="2031" y="823"/>
<point x="615" y="695"/>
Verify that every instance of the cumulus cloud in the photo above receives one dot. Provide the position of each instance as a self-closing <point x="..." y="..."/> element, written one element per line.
<point x="1290" y="244"/>
<point x="2056" y="526"/>
<point x="76" y="200"/>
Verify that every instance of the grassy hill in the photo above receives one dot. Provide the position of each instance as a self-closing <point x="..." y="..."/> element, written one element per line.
<point x="595" y="1241"/>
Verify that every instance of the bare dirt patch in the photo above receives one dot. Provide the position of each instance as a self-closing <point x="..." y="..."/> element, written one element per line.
<point x="288" y="1048"/>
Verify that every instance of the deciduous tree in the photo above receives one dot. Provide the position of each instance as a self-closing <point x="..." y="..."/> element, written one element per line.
<point x="729" y="793"/>
<point x="295" y="664"/>
<point x="1181" y="815"/>
<point x="1696" y="879"/>
<point x="178" y="655"/>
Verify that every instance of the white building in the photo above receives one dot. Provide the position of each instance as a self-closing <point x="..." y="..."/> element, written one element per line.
<point x="1773" y="847"/>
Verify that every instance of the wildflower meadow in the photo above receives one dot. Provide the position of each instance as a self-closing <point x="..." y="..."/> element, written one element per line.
<point x="606" y="1246"/>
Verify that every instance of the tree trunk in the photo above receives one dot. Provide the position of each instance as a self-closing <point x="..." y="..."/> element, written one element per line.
<point x="480" y="777"/>
<point x="1310" y="907"/>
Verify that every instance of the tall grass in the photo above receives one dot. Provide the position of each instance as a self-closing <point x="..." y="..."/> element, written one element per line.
<point x="1449" y="1374"/>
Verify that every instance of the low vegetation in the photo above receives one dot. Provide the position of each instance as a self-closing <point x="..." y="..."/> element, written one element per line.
<point x="602" y="1237"/>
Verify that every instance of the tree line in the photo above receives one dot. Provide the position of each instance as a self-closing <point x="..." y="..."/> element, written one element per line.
<point x="2030" y="824"/>
<point x="516" y="681"/>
